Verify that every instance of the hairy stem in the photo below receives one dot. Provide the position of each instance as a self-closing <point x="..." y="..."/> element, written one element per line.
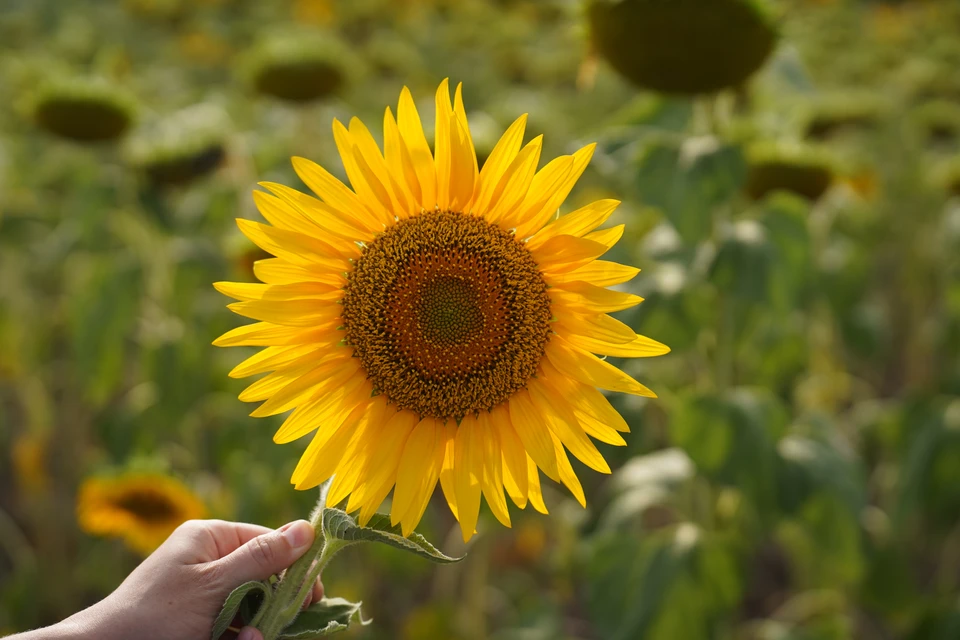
<point x="297" y="581"/>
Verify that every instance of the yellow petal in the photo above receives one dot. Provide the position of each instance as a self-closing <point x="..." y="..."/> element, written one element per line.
<point x="447" y="480"/>
<point x="514" y="456"/>
<point x="541" y="191"/>
<point x="541" y="212"/>
<point x="356" y="224"/>
<point x="334" y="374"/>
<point x="532" y="429"/>
<point x="400" y="163"/>
<point x="291" y="246"/>
<point x="273" y="358"/>
<point x="327" y="406"/>
<point x="332" y="191"/>
<point x="564" y="425"/>
<point x="348" y="474"/>
<point x="264" y="334"/>
<point x="304" y="312"/>
<point x="576" y="223"/>
<point x="411" y="130"/>
<point x="370" y="153"/>
<point x="498" y="162"/>
<point x="384" y="460"/>
<point x="607" y="237"/>
<point x="463" y="158"/>
<point x="247" y="291"/>
<point x="561" y="254"/>
<point x="597" y="417"/>
<point x="418" y="473"/>
<point x="515" y="182"/>
<point x="492" y="472"/>
<point x="277" y="271"/>
<point x="325" y="451"/>
<point x="581" y="297"/>
<point x="468" y="474"/>
<point x="599" y="273"/>
<point x="639" y="347"/>
<point x="567" y="474"/>
<point x="442" y="145"/>
<point x="597" y="325"/>
<point x="591" y="370"/>
<point x="533" y="483"/>
<point x="368" y="189"/>
<point x="284" y="216"/>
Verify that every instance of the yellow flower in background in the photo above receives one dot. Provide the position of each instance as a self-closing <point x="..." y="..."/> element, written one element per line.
<point x="143" y="509"/>
<point x="437" y="321"/>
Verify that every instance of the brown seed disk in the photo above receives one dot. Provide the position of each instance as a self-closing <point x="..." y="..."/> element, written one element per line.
<point x="448" y="314"/>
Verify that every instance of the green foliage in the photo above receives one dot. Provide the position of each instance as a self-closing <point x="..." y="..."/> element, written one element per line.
<point x="339" y="525"/>
<point x="797" y="478"/>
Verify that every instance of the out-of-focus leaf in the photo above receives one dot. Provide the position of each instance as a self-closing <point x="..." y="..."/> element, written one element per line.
<point x="809" y="467"/>
<point x="644" y="482"/>
<point x="742" y="265"/>
<point x="730" y="437"/>
<point x="824" y="542"/>
<point x="671" y="584"/>
<point x="689" y="181"/>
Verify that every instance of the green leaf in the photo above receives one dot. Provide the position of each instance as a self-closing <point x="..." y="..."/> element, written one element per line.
<point x="337" y="524"/>
<point x="232" y="604"/>
<point x="323" y="618"/>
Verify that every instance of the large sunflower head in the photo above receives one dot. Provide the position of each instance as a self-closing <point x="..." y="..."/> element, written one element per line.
<point x="142" y="509"/>
<point x="437" y="322"/>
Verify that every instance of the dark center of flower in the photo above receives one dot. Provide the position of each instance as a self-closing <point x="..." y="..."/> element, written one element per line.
<point x="448" y="314"/>
<point x="147" y="506"/>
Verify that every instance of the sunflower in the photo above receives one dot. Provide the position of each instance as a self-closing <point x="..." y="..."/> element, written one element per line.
<point x="143" y="509"/>
<point x="437" y="322"/>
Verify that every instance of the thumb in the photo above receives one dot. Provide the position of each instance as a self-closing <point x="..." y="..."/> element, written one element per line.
<point x="267" y="554"/>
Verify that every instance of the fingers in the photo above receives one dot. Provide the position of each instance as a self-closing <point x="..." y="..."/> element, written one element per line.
<point x="315" y="595"/>
<point x="229" y="536"/>
<point x="267" y="554"/>
<point x="249" y="633"/>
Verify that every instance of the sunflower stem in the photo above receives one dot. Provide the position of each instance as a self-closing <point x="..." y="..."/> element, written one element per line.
<point x="295" y="584"/>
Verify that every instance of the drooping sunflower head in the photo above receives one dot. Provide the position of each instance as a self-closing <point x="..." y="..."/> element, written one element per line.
<point x="685" y="47"/>
<point x="142" y="509"/>
<point x="181" y="148"/>
<point x="802" y="170"/>
<point x="83" y="109"/>
<point x="438" y="321"/>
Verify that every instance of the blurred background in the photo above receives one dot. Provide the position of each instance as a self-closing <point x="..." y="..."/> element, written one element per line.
<point x="791" y="190"/>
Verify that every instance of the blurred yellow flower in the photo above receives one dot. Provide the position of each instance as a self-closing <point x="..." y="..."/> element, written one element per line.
<point x="29" y="462"/>
<point x="143" y="509"/>
<point x="437" y="322"/>
<point x="318" y="12"/>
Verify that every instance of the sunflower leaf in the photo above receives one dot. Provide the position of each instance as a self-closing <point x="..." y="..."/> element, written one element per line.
<point x="232" y="604"/>
<point x="337" y="524"/>
<point x="323" y="618"/>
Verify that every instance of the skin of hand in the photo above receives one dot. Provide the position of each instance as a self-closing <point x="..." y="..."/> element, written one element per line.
<point x="176" y="593"/>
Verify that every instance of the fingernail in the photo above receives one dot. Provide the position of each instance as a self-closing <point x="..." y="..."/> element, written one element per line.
<point x="247" y="633"/>
<point x="298" y="534"/>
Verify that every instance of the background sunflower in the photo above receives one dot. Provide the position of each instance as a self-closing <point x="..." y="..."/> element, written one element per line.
<point x="795" y="479"/>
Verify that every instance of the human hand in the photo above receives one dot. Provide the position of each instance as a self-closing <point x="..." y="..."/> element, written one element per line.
<point x="176" y="593"/>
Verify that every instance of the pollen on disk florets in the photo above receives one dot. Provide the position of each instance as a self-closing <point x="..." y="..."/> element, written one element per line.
<point x="448" y="314"/>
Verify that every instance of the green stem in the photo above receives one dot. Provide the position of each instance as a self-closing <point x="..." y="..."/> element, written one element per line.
<point x="295" y="585"/>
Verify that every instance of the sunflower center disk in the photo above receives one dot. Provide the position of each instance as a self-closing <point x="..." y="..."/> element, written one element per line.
<point x="147" y="506"/>
<point x="448" y="314"/>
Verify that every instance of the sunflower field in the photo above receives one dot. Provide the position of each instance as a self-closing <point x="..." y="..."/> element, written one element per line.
<point x="782" y="178"/>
